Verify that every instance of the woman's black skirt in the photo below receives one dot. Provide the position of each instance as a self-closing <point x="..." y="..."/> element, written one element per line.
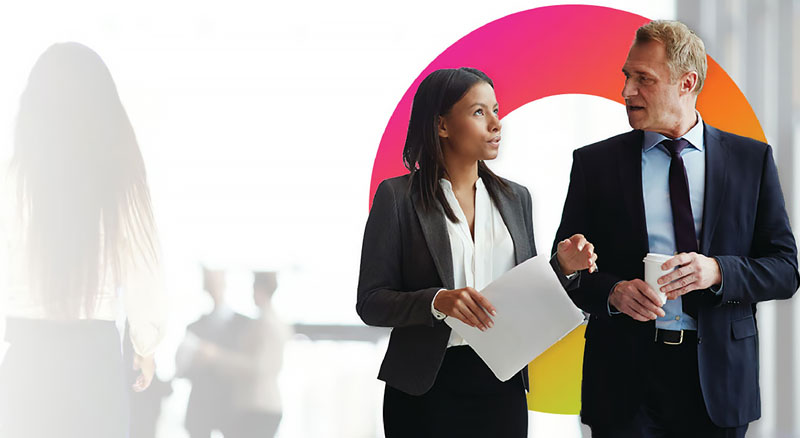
<point x="466" y="400"/>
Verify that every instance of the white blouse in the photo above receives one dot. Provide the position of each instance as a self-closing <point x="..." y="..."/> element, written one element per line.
<point x="140" y="300"/>
<point x="478" y="262"/>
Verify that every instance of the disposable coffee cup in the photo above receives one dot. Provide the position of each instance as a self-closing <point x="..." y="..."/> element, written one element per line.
<point x="653" y="271"/>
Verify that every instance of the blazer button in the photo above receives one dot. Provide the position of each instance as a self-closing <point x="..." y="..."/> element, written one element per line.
<point x="699" y="340"/>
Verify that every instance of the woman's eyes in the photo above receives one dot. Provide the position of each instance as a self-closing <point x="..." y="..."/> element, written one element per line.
<point x="479" y="112"/>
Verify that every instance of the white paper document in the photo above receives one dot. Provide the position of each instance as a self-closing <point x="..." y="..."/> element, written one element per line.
<point x="533" y="313"/>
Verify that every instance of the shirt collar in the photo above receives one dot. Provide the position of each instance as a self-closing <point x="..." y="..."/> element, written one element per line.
<point x="694" y="136"/>
<point x="445" y="183"/>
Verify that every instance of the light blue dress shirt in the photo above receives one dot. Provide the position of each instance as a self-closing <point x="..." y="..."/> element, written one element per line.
<point x="658" y="209"/>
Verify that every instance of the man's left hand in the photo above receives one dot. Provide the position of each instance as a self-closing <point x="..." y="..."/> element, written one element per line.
<point x="695" y="271"/>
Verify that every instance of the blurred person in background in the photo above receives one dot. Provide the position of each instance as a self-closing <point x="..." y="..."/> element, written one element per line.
<point x="258" y="399"/>
<point x="252" y="364"/>
<point x="78" y="251"/>
<point x="210" y="405"/>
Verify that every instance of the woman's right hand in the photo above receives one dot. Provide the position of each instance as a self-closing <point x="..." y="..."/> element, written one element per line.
<point x="466" y="305"/>
<point x="147" y="368"/>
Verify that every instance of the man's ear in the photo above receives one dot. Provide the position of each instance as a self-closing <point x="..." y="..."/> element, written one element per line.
<point x="442" y="128"/>
<point x="689" y="82"/>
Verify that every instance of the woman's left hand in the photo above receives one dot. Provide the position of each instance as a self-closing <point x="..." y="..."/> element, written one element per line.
<point x="576" y="254"/>
<point x="147" y="368"/>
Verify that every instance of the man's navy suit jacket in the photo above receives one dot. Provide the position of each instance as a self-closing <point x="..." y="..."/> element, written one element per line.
<point x="745" y="227"/>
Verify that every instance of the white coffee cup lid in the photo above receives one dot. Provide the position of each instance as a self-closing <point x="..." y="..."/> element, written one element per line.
<point x="657" y="258"/>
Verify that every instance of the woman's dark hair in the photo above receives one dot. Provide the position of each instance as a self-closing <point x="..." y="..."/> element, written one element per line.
<point x="422" y="153"/>
<point x="81" y="186"/>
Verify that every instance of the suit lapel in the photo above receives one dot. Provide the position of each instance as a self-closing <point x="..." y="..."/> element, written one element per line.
<point x="716" y="160"/>
<point x="630" y="166"/>
<point x="434" y="229"/>
<point x="511" y="211"/>
<point x="630" y="172"/>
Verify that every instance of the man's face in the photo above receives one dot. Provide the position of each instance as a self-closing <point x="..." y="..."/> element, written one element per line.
<point x="652" y="99"/>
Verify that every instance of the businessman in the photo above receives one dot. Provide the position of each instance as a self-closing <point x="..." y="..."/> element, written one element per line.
<point x="677" y="186"/>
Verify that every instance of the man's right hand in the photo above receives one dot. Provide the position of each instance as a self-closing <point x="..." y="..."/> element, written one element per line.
<point x="466" y="305"/>
<point x="636" y="299"/>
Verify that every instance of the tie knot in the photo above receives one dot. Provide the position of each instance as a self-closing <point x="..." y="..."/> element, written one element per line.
<point x="675" y="146"/>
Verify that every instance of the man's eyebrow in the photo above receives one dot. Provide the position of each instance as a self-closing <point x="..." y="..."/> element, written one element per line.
<point x="638" y="72"/>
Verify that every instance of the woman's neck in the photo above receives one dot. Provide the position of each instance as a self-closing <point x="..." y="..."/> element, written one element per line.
<point x="462" y="174"/>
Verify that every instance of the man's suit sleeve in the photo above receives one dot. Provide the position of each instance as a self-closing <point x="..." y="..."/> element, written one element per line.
<point x="591" y="295"/>
<point x="380" y="301"/>
<point x="770" y="272"/>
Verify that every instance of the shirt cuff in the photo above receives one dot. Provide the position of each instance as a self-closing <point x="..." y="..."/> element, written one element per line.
<point x="608" y="303"/>
<point x="437" y="314"/>
<point x="717" y="289"/>
<point x="572" y="276"/>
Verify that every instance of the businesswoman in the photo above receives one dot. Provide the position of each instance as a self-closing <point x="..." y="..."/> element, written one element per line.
<point x="433" y="238"/>
<point x="78" y="251"/>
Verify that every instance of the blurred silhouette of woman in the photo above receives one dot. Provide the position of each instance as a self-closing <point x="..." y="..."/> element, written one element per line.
<point x="80" y="249"/>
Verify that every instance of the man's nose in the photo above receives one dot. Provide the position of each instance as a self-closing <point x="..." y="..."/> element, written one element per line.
<point x="629" y="89"/>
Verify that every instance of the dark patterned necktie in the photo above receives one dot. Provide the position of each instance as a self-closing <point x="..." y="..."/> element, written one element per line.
<point x="682" y="218"/>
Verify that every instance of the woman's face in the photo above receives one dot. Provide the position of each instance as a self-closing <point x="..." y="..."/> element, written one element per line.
<point x="471" y="130"/>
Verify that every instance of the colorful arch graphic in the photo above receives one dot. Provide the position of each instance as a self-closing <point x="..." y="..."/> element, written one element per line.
<point x="569" y="49"/>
